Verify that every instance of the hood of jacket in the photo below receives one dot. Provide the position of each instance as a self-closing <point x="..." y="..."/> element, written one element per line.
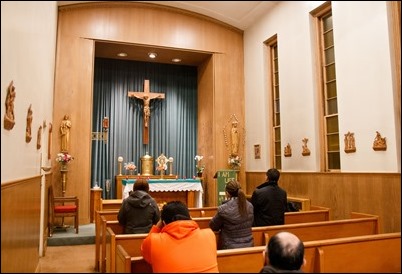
<point x="180" y="229"/>
<point x="139" y="198"/>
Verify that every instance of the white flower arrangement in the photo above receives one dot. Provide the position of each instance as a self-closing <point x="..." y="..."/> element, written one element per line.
<point x="234" y="162"/>
<point x="130" y="166"/>
<point x="64" y="158"/>
<point x="200" y="168"/>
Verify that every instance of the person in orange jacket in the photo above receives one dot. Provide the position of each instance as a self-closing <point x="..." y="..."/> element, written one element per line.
<point x="177" y="244"/>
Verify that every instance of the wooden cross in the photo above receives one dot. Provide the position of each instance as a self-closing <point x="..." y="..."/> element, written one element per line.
<point x="146" y="97"/>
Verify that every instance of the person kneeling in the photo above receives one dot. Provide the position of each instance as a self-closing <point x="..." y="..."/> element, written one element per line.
<point x="177" y="244"/>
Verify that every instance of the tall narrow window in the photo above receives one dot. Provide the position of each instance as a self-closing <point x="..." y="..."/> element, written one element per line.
<point x="275" y="104"/>
<point x="329" y="98"/>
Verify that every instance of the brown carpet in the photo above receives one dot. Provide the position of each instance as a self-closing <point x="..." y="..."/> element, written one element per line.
<point x="68" y="259"/>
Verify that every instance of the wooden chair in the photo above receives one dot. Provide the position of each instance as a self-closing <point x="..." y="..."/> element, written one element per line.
<point x="62" y="207"/>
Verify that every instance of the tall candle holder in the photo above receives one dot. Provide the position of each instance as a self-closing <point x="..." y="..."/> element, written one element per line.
<point x="120" y="163"/>
<point x="170" y="165"/>
<point x="63" y="171"/>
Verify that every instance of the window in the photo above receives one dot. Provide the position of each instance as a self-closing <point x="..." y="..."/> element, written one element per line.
<point x="329" y="100"/>
<point x="275" y="103"/>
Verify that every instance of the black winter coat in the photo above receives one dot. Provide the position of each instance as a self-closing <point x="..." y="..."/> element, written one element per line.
<point x="270" y="204"/>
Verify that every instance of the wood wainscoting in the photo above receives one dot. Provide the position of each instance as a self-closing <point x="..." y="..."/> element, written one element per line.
<point x="20" y="225"/>
<point x="373" y="193"/>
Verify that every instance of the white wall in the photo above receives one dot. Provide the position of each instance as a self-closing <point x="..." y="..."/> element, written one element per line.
<point x="364" y="84"/>
<point x="28" y="47"/>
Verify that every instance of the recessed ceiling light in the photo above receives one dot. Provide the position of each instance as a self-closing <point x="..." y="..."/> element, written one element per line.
<point x="176" y="60"/>
<point x="122" y="54"/>
<point x="152" y="55"/>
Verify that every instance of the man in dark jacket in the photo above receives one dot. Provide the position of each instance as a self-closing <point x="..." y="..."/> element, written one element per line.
<point x="269" y="201"/>
<point x="139" y="211"/>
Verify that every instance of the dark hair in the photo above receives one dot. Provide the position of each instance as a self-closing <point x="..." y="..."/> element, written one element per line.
<point x="233" y="187"/>
<point x="174" y="211"/>
<point x="273" y="174"/>
<point x="141" y="184"/>
<point x="285" y="251"/>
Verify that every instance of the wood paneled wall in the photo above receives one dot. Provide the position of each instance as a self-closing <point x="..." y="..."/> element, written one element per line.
<point x="220" y="87"/>
<point x="373" y="193"/>
<point x="20" y="225"/>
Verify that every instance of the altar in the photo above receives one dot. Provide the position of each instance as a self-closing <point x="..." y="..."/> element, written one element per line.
<point x="189" y="191"/>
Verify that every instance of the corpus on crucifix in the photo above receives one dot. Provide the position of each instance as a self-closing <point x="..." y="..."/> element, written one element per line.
<point x="146" y="97"/>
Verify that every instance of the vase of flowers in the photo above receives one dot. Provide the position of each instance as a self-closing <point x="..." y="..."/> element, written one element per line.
<point x="63" y="158"/>
<point x="234" y="162"/>
<point x="130" y="168"/>
<point x="200" y="168"/>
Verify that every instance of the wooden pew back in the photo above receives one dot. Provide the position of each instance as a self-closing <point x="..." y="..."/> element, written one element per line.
<point x="320" y="230"/>
<point x="366" y="254"/>
<point x="379" y="253"/>
<point x="203" y="211"/>
<point x="107" y="215"/>
<point x="320" y="214"/>
<point x="110" y="204"/>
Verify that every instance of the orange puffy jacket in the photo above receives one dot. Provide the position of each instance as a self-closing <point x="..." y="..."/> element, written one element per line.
<point x="181" y="246"/>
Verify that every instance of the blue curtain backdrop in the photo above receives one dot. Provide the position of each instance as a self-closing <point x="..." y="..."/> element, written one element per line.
<point x="172" y="126"/>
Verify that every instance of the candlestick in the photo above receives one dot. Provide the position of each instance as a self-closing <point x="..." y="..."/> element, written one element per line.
<point x="120" y="162"/>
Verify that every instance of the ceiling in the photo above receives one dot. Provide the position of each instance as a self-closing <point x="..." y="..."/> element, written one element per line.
<point x="239" y="14"/>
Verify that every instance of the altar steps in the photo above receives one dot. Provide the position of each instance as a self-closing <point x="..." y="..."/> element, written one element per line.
<point x="67" y="236"/>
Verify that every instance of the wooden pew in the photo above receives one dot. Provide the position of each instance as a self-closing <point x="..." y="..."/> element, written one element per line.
<point x="306" y="231"/>
<point x="203" y="211"/>
<point x="108" y="215"/>
<point x="365" y="225"/>
<point x="315" y="230"/>
<point x="380" y="253"/>
<point x="366" y="254"/>
<point x="114" y="235"/>
<point x="317" y="214"/>
<point x="110" y="204"/>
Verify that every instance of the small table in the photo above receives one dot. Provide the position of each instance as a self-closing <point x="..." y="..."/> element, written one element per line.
<point x="188" y="191"/>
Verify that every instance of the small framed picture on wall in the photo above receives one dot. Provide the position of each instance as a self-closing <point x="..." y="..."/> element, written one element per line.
<point x="257" y="151"/>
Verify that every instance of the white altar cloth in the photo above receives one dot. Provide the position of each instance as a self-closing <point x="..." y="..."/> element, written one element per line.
<point x="169" y="185"/>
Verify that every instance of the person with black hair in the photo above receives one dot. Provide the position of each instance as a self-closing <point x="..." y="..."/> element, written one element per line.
<point x="269" y="201"/>
<point x="139" y="211"/>
<point x="177" y="244"/>
<point x="284" y="254"/>
<point x="234" y="218"/>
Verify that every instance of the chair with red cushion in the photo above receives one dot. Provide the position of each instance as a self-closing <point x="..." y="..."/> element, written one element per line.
<point x="62" y="207"/>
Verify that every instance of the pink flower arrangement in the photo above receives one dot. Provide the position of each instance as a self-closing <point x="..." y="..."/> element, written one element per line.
<point x="64" y="158"/>
<point x="130" y="166"/>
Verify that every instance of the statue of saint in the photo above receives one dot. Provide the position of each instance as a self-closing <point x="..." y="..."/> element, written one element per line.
<point x="65" y="133"/>
<point x="28" y="132"/>
<point x="234" y="135"/>
<point x="9" y="118"/>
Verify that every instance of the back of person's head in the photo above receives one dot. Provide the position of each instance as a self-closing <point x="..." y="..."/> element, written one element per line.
<point x="233" y="188"/>
<point x="273" y="174"/>
<point x="285" y="251"/>
<point x="174" y="211"/>
<point x="141" y="184"/>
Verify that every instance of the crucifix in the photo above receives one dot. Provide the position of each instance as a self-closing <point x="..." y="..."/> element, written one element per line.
<point x="146" y="97"/>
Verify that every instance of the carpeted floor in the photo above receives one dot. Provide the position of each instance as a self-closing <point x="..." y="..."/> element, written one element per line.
<point x="68" y="259"/>
<point x="68" y="252"/>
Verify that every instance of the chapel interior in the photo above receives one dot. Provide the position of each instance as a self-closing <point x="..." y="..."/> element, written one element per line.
<point x="235" y="102"/>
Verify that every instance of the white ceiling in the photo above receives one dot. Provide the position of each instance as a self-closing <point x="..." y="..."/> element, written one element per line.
<point x="240" y="14"/>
